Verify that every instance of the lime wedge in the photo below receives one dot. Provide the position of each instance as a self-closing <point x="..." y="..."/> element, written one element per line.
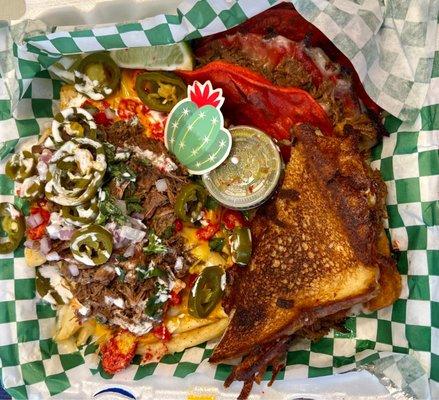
<point x="165" y="58"/>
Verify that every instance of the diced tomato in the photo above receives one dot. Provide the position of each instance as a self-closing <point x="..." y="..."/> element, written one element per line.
<point x="118" y="351"/>
<point x="157" y="130"/>
<point x="207" y="232"/>
<point x="39" y="231"/>
<point x="175" y="298"/>
<point x="128" y="108"/>
<point x="232" y="219"/>
<point x="178" y="225"/>
<point x="162" y="333"/>
<point x="45" y="214"/>
<point x="101" y="119"/>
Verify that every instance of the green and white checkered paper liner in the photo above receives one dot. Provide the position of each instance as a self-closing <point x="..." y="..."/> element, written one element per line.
<point x="375" y="37"/>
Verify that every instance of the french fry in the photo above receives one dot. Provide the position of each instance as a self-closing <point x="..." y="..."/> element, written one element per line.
<point x="187" y="323"/>
<point x="33" y="257"/>
<point x="85" y="332"/>
<point x="196" y="336"/>
<point x="67" y="324"/>
<point x="184" y="340"/>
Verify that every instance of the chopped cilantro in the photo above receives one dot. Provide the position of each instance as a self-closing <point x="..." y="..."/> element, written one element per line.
<point x="216" y="244"/>
<point x="155" y="245"/>
<point x="168" y="232"/>
<point x="133" y="205"/>
<point x="249" y="214"/>
<point x="101" y="319"/>
<point x="109" y="210"/>
<point x="122" y="172"/>
<point x="154" y="305"/>
<point x="120" y="274"/>
<point x="153" y="309"/>
<point x="151" y="272"/>
<point x="110" y="152"/>
<point x="144" y="161"/>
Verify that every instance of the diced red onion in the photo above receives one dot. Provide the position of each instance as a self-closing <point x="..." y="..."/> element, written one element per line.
<point x="34" y="220"/>
<point x="119" y="242"/>
<point x="55" y="218"/>
<point x="53" y="230"/>
<point x="161" y="185"/>
<point x="109" y="113"/>
<point x="111" y="226"/>
<point x="45" y="156"/>
<point x="129" y="252"/>
<point x="66" y="233"/>
<point x="30" y="244"/>
<point x="73" y="269"/>
<point x="45" y="245"/>
<point x="137" y="216"/>
<point x="137" y="223"/>
<point x="133" y="235"/>
<point x="53" y="256"/>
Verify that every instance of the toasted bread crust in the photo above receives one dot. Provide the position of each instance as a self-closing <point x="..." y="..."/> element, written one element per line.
<point x="314" y="253"/>
<point x="355" y="191"/>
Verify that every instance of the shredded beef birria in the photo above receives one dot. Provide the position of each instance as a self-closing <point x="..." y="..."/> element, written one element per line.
<point x="114" y="293"/>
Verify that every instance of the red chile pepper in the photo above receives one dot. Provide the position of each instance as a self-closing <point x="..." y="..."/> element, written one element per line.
<point x="284" y="20"/>
<point x="252" y="100"/>
<point x="232" y="219"/>
<point x="207" y="232"/>
<point x="162" y="333"/>
<point x="178" y="225"/>
<point x="101" y="119"/>
<point x="175" y="298"/>
<point x="38" y="231"/>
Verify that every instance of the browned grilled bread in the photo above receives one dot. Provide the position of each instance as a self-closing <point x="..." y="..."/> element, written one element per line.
<point x="307" y="263"/>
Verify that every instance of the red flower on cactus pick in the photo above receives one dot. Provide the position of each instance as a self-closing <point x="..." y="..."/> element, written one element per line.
<point x="203" y="94"/>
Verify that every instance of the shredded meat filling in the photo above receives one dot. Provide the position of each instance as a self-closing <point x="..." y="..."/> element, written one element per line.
<point x="114" y="291"/>
<point x="334" y="93"/>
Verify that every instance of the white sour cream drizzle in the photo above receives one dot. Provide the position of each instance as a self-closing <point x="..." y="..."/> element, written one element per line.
<point x="88" y="87"/>
<point x="160" y="161"/>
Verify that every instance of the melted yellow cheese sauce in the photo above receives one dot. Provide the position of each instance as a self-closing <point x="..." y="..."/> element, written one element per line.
<point x="124" y="101"/>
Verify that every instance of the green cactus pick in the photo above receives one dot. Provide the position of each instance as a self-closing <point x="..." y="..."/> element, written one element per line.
<point x="195" y="130"/>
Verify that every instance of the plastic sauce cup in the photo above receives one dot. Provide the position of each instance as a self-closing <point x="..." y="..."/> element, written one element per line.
<point x="251" y="172"/>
